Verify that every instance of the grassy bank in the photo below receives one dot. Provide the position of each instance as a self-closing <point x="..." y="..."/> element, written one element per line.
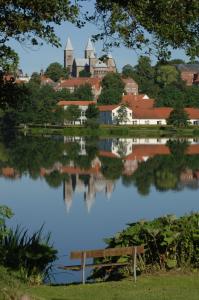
<point x="162" y="287"/>
<point x="109" y="131"/>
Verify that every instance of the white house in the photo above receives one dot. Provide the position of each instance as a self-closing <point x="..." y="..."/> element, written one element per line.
<point x="82" y="105"/>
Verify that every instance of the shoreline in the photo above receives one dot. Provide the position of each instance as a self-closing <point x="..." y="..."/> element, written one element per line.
<point x="113" y="131"/>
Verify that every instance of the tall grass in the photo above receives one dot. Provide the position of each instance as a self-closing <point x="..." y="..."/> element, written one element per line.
<point x="31" y="255"/>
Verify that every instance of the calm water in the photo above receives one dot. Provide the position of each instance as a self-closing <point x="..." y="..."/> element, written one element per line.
<point x="86" y="190"/>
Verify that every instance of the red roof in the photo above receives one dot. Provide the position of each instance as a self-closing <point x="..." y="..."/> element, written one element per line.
<point x="138" y="101"/>
<point x="75" y="82"/>
<point x="73" y="102"/>
<point x="107" y="107"/>
<point x="192" y="112"/>
<point x="152" y="113"/>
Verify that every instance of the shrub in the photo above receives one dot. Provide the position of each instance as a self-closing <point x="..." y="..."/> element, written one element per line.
<point x="169" y="243"/>
<point x="32" y="255"/>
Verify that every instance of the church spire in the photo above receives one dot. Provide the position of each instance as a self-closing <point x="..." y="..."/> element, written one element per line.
<point x="89" y="46"/>
<point x="69" y="45"/>
<point x="89" y="50"/>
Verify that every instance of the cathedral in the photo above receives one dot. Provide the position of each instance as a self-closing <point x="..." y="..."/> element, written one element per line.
<point x="90" y="62"/>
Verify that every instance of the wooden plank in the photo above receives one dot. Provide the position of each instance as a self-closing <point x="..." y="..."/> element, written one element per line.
<point x="106" y="252"/>
<point x="79" y="267"/>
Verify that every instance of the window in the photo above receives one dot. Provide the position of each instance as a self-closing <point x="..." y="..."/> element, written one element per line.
<point x="159" y="122"/>
<point x="147" y="122"/>
<point x="135" y="122"/>
<point x="83" y="113"/>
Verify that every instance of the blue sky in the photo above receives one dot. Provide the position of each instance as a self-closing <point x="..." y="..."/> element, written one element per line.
<point x="34" y="59"/>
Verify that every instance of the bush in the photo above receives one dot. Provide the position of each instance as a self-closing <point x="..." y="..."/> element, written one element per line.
<point x="169" y="243"/>
<point x="30" y="255"/>
<point x="92" y="123"/>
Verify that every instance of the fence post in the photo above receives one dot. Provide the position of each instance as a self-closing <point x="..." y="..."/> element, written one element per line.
<point x="83" y="266"/>
<point x="135" y="263"/>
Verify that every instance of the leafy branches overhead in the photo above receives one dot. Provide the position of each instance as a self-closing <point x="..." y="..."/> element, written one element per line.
<point x="150" y="23"/>
<point x="32" y="20"/>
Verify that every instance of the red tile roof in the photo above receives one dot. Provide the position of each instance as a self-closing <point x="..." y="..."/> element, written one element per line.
<point x="73" y="102"/>
<point x="107" y="107"/>
<point x="75" y="82"/>
<point x="192" y="112"/>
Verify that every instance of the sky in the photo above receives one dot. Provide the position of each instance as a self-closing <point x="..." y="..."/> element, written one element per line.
<point x="33" y="59"/>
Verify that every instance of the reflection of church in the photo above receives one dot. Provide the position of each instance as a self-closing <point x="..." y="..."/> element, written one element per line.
<point x="90" y="63"/>
<point x="89" y="185"/>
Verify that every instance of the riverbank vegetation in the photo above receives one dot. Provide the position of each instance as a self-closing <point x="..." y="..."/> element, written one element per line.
<point x="28" y="255"/>
<point x="170" y="243"/>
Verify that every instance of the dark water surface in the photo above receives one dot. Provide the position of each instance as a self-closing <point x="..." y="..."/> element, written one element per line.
<point x="87" y="190"/>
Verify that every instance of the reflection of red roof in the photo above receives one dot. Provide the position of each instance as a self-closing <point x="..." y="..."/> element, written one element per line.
<point x="107" y="154"/>
<point x="193" y="149"/>
<point x="8" y="172"/>
<point x="72" y="102"/>
<point x="107" y="107"/>
<point x="140" y="151"/>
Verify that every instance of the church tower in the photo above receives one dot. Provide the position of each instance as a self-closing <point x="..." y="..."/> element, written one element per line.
<point x="89" y="51"/>
<point x="68" y="55"/>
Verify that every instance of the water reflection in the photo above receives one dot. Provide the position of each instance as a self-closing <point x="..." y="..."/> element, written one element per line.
<point x="91" y="165"/>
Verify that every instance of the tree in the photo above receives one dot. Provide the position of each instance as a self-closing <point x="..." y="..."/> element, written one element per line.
<point x="178" y="117"/>
<point x="154" y="24"/>
<point x="92" y="112"/>
<point x="36" y="78"/>
<point x="84" y="73"/>
<point x="55" y="71"/>
<point x="32" y="21"/>
<point x="83" y="92"/>
<point x="72" y="113"/>
<point x="122" y="115"/>
<point x="166" y="75"/>
<point x="112" y="89"/>
<point x="128" y="71"/>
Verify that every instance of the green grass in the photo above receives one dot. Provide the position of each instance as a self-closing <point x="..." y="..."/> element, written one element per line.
<point x="112" y="130"/>
<point x="166" y="286"/>
<point x="147" y="288"/>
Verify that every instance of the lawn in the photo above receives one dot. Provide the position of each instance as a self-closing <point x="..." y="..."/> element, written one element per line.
<point x="162" y="287"/>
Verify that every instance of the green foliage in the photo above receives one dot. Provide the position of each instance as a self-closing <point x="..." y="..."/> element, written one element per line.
<point x="151" y="25"/>
<point x="31" y="255"/>
<point x="72" y="113"/>
<point x="166" y="75"/>
<point x="92" y="123"/>
<point x="84" y="73"/>
<point x="170" y="242"/>
<point x="56" y="71"/>
<point x="31" y="21"/>
<point x="178" y="117"/>
<point x="35" y="78"/>
<point x="83" y="92"/>
<point x="5" y="213"/>
<point x="128" y="71"/>
<point x="112" y="89"/>
<point x="92" y="112"/>
<point x="122" y="115"/>
<point x="111" y="167"/>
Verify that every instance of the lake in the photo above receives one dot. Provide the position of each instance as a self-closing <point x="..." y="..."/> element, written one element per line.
<point x="86" y="189"/>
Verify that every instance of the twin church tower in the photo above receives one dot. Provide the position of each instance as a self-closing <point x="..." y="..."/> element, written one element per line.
<point x="90" y="62"/>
